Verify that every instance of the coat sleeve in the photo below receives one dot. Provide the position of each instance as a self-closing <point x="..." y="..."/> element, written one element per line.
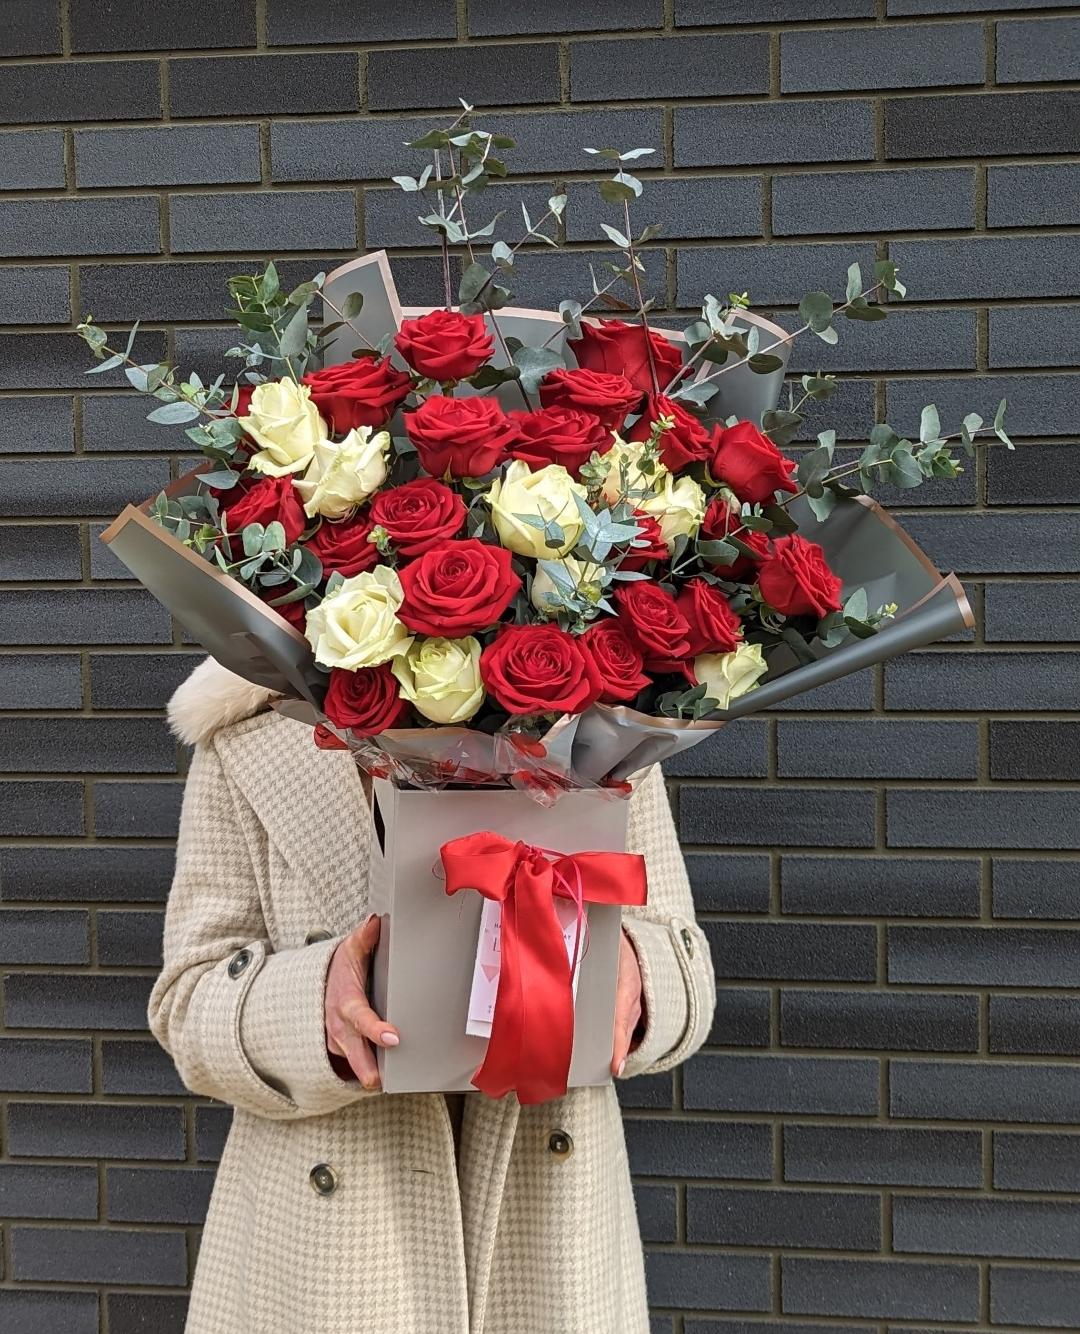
<point x="242" y="1023"/>
<point x="676" y="970"/>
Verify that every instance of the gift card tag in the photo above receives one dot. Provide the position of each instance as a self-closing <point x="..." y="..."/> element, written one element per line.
<point x="485" y="984"/>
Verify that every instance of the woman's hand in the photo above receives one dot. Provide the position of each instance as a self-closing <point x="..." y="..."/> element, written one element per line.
<point x="351" y="1024"/>
<point x="628" y="1005"/>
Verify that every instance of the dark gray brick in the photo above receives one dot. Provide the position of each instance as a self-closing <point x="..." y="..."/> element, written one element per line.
<point x="257" y="85"/>
<point x="885" y="1288"/>
<point x="390" y="216"/>
<point x="85" y="1130"/>
<point x="656" y="1208"/>
<point x="1037" y="336"/>
<point x="117" y="422"/>
<point x="708" y="1280"/>
<point x="874" y="1021"/>
<point x="792" y="950"/>
<point x="1036" y="195"/>
<point x="83" y="616"/>
<point x="37" y="295"/>
<point x="981" y="125"/>
<point x="879" y="749"/>
<point x="663" y="1148"/>
<point x="211" y="1128"/>
<point x="134" y="1067"/>
<point x="901" y="56"/>
<point x="873" y="201"/>
<point x="188" y="290"/>
<point x="32" y="161"/>
<point x="648" y="1093"/>
<point x="32" y="28"/>
<point x="897" y="7"/>
<point x="882" y="1155"/>
<point x="112" y="226"/>
<point x="1047" y="1297"/>
<point x="701" y="12"/>
<point x="795" y="1218"/>
<point x="910" y="340"/>
<point x="837" y="817"/>
<point x="137" y="810"/>
<point x="103" y="564"/>
<point x="157" y="1195"/>
<point x="769" y="1327"/>
<point x="1005" y="819"/>
<point x="983" y="1091"/>
<point x="419" y="77"/>
<point x="137" y="680"/>
<point x="835" y="1086"/>
<point x="938" y="1225"/>
<point x="35" y="1000"/>
<point x="142" y="25"/>
<point x="92" y="745"/>
<point x="79" y="90"/>
<point x="271" y="220"/>
<point x="976" y="956"/>
<point x="772" y="273"/>
<point x="37" y="425"/>
<point x="1033" y="475"/>
<point x="129" y="938"/>
<point x="33" y="1191"/>
<point x="1035" y="750"/>
<point x="729" y="882"/>
<point x="734" y="752"/>
<point x="168" y="154"/>
<point x="1034" y="889"/>
<point x="853" y="693"/>
<point x="991" y="266"/>
<point x="29" y="1311"/>
<point x="492" y="18"/>
<point x="1035" y="1025"/>
<point x="341" y="21"/>
<point x="146" y="1312"/>
<point x="41" y="808"/>
<point x="1038" y="404"/>
<point x="979" y="681"/>
<point x="699" y="206"/>
<point x="741" y="1018"/>
<point x="40" y="681"/>
<point x="58" y="361"/>
<point x="881" y="886"/>
<point x="85" y="874"/>
<point x="833" y="130"/>
<point x="77" y="486"/>
<point x="96" y="1255"/>
<point x="1036" y="1162"/>
<point x="45" y="1065"/>
<point x="611" y="71"/>
<point x="1038" y="51"/>
<point x="29" y="552"/>
<point x="44" y="937"/>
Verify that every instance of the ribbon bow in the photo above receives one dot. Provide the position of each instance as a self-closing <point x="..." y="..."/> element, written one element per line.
<point x="532" y="1032"/>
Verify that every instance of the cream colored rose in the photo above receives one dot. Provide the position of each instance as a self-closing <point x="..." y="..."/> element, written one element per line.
<point x="285" y="422"/>
<point x="678" y="507"/>
<point x="548" y="494"/>
<point x="617" y="486"/>
<point x="357" y="625"/>
<point x="726" y="676"/>
<point x="441" y="678"/>
<point x="343" y="475"/>
<point x="583" y="575"/>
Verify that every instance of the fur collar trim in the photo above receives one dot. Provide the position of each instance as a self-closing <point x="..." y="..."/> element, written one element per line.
<point x="212" y="698"/>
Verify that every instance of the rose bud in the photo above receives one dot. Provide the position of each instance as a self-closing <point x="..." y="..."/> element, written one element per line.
<point x="607" y="396"/>
<point x="687" y="442"/>
<point x="462" y="437"/>
<point x="620" y="348"/>
<point x="795" y="580"/>
<point x="566" y="436"/>
<point x="364" y="392"/>
<point x="748" y="461"/>
<point x="445" y="345"/>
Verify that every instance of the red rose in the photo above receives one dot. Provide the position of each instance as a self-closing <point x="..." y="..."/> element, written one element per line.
<point x="457" y="588"/>
<point x="687" y="442"/>
<point x="539" y="669"/>
<point x="637" y="558"/>
<point x="652" y="619"/>
<point x="618" y="347"/>
<point x="609" y="397"/>
<point x="714" y="627"/>
<point x="364" y="392"/>
<point x="750" y="463"/>
<point x="559" y="435"/>
<point x="445" y="345"/>
<point x="366" y="701"/>
<point x="795" y="580"/>
<point x="419" y="514"/>
<point x="243" y="399"/>
<point x="465" y="437"/>
<point x="719" y="521"/>
<point x="344" y="546"/>
<point x="274" y="499"/>
<point x="293" y="612"/>
<point x="617" y="660"/>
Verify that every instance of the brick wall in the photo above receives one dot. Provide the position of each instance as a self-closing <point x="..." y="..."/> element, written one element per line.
<point x="879" y="1136"/>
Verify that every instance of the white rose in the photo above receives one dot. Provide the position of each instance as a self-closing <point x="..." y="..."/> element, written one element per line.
<point x="357" y="625"/>
<point x="584" y="575"/>
<point x="285" y="422"/>
<point x="547" y="493"/>
<point x="726" y="676"/>
<point x="343" y="475"/>
<point x="678" y="507"/>
<point x="441" y="678"/>
<point x="616" y="486"/>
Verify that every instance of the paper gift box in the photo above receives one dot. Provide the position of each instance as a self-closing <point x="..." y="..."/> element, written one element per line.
<point x="424" y="966"/>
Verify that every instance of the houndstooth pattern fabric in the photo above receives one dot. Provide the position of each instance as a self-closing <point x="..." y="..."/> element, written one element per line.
<point x="506" y="1238"/>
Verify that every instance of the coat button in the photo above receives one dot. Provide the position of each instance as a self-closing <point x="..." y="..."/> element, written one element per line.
<point x="313" y="937"/>
<point x="688" y="942"/>
<point x="560" y="1144"/>
<point x="239" y="962"/>
<point x="323" y="1179"/>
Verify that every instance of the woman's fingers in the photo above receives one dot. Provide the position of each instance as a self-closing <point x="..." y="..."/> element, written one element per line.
<point x="361" y="1059"/>
<point x="362" y="1019"/>
<point x="627" y="1005"/>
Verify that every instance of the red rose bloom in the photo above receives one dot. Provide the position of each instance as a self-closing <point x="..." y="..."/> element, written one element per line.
<point x="293" y="612"/>
<point x="618" y="347"/>
<point x="366" y="701"/>
<point x="344" y="546"/>
<point x="719" y="521"/>
<point x="419" y="514"/>
<point x="539" y="669"/>
<point x="652" y="619"/>
<point x="457" y="588"/>
<point x="274" y="499"/>
<point x="465" y="437"/>
<point x="637" y="558"/>
<point x="445" y="345"/>
<point x="617" y="660"/>
<point x="795" y="580"/>
<point x="365" y="392"/>
<point x="559" y="435"/>
<point x="750" y="463"/>
<point x="609" y="397"/>
<point x="687" y="442"/>
<point x="243" y="399"/>
<point x="714" y="627"/>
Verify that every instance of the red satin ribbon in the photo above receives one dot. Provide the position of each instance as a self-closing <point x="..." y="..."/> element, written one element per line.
<point x="532" y="1033"/>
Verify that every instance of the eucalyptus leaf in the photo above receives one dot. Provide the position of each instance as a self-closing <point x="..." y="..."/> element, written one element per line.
<point x="173" y="414"/>
<point x="534" y="363"/>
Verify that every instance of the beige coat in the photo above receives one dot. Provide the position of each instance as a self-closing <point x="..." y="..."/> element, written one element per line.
<point x="339" y="1211"/>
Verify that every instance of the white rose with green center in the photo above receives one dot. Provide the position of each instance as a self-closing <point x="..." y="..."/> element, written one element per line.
<point x="726" y="676"/>
<point x="285" y="423"/>
<point x="548" y="495"/>
<point x="357" y="625"/>
<point x="344" y="474"/>
<point x="441" y="678"/>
